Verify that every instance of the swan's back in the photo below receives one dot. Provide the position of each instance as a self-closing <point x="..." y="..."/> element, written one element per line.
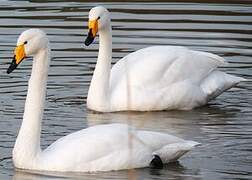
<point x="165" y="65"/>
<point x="111" y="136"/>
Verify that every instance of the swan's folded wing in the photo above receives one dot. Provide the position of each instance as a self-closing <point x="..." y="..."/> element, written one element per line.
<point x="156" y="140"/>
<point x="85" y="146"/>
<point x="192" y="66"/>
<point x="162" y="66"/>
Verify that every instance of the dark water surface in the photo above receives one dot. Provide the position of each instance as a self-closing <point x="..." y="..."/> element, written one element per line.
<point x="224" y="127"/>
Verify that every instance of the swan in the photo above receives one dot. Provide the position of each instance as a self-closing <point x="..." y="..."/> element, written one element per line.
<point x="97" y="148"/>
<point x="153" y="78"/>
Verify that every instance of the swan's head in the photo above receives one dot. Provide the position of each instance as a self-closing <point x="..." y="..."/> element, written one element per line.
<point x="99" y="19"/>
<point x="29" y="43"/>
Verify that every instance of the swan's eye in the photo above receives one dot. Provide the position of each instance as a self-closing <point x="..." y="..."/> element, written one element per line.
<point x="99" y="17"/>
<point x="25" y="42"/>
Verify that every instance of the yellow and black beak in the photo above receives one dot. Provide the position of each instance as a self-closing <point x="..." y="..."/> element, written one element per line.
<point x="19" y="55"/>
<point x="93" y="28"/>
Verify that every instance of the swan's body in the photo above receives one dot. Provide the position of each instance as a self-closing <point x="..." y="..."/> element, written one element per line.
<point x="98" y="148"/>
<point x="153" y="78"/>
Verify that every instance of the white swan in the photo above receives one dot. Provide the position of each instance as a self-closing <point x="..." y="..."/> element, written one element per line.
<point x="98" y="148"/>
<point x="153" y="78"/>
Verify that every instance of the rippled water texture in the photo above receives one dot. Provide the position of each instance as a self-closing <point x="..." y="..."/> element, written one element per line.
<point x="224" y="127"/>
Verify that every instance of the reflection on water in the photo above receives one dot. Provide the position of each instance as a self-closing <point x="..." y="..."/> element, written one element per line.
<point x="172" y="170"/>
<point x="223" y="127"/>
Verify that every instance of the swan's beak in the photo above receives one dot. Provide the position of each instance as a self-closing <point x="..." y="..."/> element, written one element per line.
<point x="93" y="28"/>
<point x="19" y="55"/>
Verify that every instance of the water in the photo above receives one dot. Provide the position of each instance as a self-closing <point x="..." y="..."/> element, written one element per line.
<point x="224" y="127"/>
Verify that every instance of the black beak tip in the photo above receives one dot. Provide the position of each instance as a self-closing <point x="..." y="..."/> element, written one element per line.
<point x="87" y="43"/>
<point x="12" y="66"/>
<point x="89" y="38"/>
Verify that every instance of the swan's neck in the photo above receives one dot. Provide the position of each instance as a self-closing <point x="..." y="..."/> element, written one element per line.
<point x="98" y="94"/>
<point x="27" y="146"/>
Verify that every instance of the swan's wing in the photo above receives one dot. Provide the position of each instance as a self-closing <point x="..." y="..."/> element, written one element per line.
<point x="85" y="146"/>
<point x="140" y="148"/>
<point x="192" y="66"/>
<point x="142" y="67"/>
<point x="161" y="77"/>
<point x="95" y="142"/>
<point x="156" y="140"/>
<point x="160" y="66"/>
<point x="105" y="147"/>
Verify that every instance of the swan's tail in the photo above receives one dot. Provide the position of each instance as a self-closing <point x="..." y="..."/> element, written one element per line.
<point x="218" y="82"/>
<point x="172" y="152"/>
